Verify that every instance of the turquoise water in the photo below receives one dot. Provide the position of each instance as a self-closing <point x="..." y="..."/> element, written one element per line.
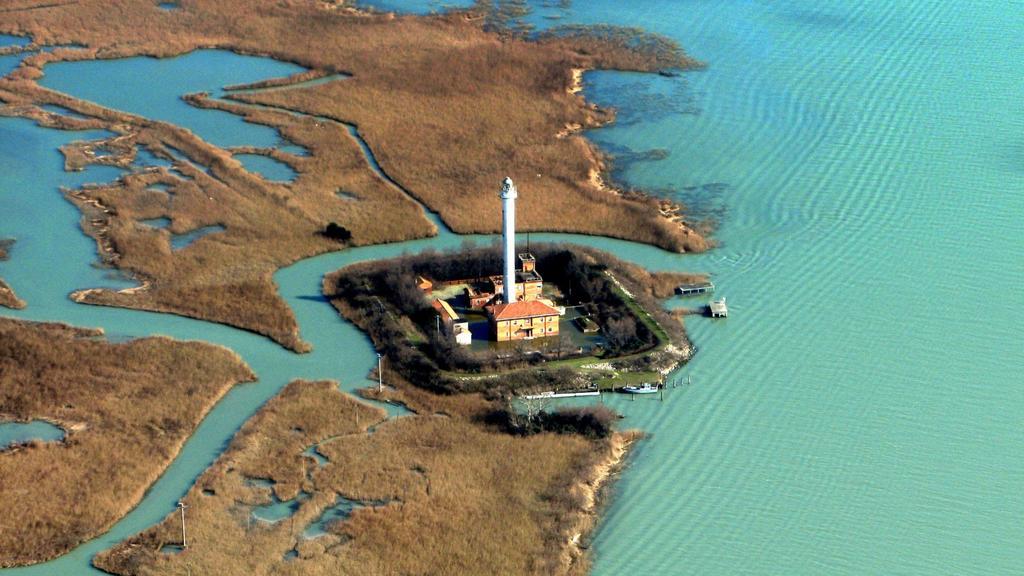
<point x="200" y="71"/>
<point x="8" y="40"/>
<point x="858" y="413"/>
<point x="278" y="509"/>
<point x="269" y="168"/>
<point x="181" y="241"/>
<point x="21" y="432"/>
<point x="294" y="85"/>
<point x="341" y="510"/>
<point x="412" y="6"/>
<point x="161" y="222"/>
<point x="60" y="110"/>
<point x="144" y="158"/>
<point x="9" y="63"/>
<point x="315" y="454"/>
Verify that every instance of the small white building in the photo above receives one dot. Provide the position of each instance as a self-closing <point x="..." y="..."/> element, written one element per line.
<point x="452" y="321"/>
<point x="463" y="337"/>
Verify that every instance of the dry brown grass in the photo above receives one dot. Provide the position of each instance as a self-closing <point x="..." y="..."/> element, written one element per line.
<point x="656" y="285"/>
<point x="127" y="409"/>
<point x="451" y="497"/>
<point x="448" y="108"/>
<point x="8" y="298"/>
<point x="451" y="110"/>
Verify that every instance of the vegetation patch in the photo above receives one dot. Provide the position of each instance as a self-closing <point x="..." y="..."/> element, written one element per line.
<point x="430" y="493"/>
<point x="8" y="298"/>
<point x="385" y="300"/>
<point x="127" y="409"/>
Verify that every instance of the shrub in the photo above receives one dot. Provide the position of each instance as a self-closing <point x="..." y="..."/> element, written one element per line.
<point x="336" y="232"/>
<point x="589" y="421"/>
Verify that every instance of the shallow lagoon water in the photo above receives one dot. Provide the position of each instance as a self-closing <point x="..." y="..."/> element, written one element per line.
<point x="20" y="432"/>
<point x="182" y="241"/>
<point x="341" y="510"/>
<point x="267" y="167"/>
<point x="9" y="40"/>
<point x="9" y="63"/>
<point x="278" y="509"/>
<point x="859" y="413"/>
<point x="200" y="71"/>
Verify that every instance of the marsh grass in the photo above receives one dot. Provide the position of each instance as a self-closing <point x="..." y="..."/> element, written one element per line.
<point x="440" y="494"/>
<point x="126" y="408"/>
<point x="8" y="298"/>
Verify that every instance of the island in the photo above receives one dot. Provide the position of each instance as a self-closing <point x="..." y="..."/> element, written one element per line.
<point x="518" y="320"/>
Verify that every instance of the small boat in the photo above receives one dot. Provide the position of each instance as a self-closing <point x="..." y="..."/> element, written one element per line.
<point x="718" y="309"/>
<point x="645" y="388"/>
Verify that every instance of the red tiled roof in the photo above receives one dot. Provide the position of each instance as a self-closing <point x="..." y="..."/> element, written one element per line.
<point x="524" y="309"/>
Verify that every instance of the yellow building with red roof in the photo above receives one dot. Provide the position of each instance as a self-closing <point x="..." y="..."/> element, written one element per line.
<point x="522" y="320"/>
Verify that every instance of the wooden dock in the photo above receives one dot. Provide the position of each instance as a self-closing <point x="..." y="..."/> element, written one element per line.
<point x="563" y="394"/>
<point x="695" y="288"/>
<point x="718" y="308"/>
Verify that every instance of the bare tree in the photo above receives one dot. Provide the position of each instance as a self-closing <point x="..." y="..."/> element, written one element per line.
<point x="564" y="344"/>
<point x="533" y="406"/>
<point x="620" y="332"/>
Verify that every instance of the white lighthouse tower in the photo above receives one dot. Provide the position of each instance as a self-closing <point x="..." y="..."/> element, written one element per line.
<point x="508" y="234"/>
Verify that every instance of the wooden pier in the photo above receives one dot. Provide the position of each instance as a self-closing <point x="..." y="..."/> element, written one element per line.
<point x="695" y="288"/>
<point x="563" y="394"/>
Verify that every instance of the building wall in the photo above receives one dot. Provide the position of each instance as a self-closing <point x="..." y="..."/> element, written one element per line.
<point x="542" y="326"/>
<point x="461" y="333"/>
<point x="529" y="290"/>
<point x="524" y="290"/>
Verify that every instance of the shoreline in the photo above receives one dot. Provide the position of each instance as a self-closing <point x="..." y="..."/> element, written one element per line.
<point x="596" y="497"/>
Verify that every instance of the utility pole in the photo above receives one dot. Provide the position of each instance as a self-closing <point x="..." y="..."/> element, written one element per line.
<point x="380" y="373"/>
<point x="182" y="506"/>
